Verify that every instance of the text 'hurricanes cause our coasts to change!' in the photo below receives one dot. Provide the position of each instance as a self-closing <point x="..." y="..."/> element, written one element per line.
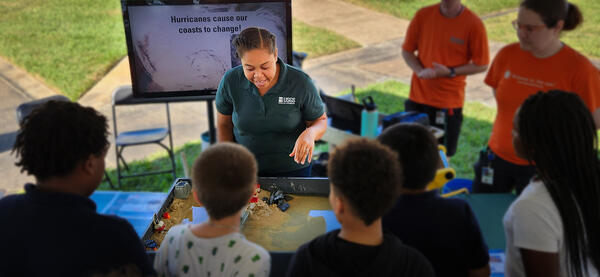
<point x="210" y="27"/>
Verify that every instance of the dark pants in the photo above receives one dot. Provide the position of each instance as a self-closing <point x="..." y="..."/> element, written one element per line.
<point x="303" y="172"/>
<point x="507" y="176"/>
<point x="452" y="123"/>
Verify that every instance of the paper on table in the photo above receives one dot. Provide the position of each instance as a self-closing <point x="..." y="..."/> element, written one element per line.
<point x="331" y="222"/>
<point x="199" y="215"/>
<point x="497" y="259"/>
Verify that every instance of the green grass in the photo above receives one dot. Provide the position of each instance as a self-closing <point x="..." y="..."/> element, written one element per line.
<point x="476" y="128"/>
<point x="159" y="161"/>
<point x="317" y="41"/>
<point x="584" y="39"/>
<point x="499" y="28"/>
<point x="389" y="97"/>
<point x="69" y="44"/>
<point x="407" y="8"/>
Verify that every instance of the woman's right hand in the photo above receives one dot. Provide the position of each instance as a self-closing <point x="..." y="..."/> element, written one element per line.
<point x="303" y="149"/>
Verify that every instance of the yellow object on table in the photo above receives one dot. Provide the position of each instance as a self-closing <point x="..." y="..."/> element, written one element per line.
<point x="444" y="174"/>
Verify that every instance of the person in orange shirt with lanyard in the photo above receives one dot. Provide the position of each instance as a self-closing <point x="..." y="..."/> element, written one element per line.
<point x="450" y="42"/>
<point x="539" y="62"/>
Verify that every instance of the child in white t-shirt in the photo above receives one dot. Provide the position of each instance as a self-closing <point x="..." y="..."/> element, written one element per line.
<point x="553" y="228"/>
<point x="224" y="178"/>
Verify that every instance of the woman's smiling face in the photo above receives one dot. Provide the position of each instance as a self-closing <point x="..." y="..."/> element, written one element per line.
<point x="260" y="68"/>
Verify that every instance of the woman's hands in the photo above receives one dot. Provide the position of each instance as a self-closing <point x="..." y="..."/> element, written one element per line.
<point x="305" y="144"/>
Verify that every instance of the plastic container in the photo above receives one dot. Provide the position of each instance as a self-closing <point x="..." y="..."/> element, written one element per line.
<point x="456" y="184"/>
<point x="369" y="118"/>
<point x="205" y="137"/>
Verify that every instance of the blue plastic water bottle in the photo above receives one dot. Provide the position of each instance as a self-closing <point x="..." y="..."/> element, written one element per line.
<point x="369" y="118"/>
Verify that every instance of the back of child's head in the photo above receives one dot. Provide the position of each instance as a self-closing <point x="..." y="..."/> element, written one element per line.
<point x="366" y="173"/>
<point x="557" y="132"/>
<point x="223" y="177"/>
<point x="417" y="151"/>
<point x="57" y="136"/>
<point x="555" y="122"/>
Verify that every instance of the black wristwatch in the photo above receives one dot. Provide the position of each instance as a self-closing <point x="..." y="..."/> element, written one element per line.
<point x="452" y="72"/>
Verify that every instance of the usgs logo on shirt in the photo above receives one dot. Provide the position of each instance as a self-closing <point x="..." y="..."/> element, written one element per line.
<point x="287" y="100"/>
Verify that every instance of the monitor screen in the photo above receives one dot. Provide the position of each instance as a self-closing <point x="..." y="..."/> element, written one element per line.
<point x="183" y="48"/>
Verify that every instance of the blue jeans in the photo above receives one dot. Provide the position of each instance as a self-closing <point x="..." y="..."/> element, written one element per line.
<point x="302" y="172"/>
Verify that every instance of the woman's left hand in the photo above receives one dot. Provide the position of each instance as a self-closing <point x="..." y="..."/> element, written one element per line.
<point x="304" y="147"/>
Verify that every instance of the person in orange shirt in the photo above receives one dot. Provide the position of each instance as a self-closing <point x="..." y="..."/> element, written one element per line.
<point x="539" y="62"/>
<point x="450" y="42"/>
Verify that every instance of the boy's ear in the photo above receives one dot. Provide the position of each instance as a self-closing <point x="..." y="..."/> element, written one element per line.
<point x="335" y="201"/>
<point x="88" y="166"/>
<point x="195" y="194"/>
<point x="338" y="205"/>
<point x="252" y="191"/>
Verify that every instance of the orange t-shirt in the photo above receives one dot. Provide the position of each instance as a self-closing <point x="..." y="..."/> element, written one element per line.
<point x="516" y="74"/>
<point x="449" y="41"/>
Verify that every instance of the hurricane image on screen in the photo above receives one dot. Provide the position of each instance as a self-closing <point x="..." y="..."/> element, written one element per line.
<point x="168" y="57"/>
<point x="211" y="75"/>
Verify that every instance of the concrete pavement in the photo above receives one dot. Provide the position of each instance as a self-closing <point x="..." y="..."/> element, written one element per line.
<point x="378" y="63"/>
<point x="188" y="120"/>
<point x="379" y="59"/>
<point x="362" y="25"/>
<point x="16" y="87"/>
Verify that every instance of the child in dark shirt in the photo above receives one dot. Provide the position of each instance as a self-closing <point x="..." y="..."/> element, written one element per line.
<point x="53" y="229"/>
<point x="363" y="185"/>
<point x="444" y="230"/>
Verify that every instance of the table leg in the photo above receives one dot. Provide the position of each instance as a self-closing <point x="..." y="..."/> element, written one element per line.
<point x="211" y="121"/>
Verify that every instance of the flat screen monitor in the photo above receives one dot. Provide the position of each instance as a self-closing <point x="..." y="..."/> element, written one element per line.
<point x="183" y="48"/>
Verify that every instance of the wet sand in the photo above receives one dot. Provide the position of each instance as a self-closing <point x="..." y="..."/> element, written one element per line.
<point x="267" y="225"/>
<point x="286" y="231"/>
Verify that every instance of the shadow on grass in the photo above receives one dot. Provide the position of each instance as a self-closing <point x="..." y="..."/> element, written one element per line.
<point x="476" y="128"/>
<point x="159" y="183"/>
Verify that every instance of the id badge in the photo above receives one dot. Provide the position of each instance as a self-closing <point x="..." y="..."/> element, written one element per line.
<point x="487" y="175"/>
<point x="440" y="117"/>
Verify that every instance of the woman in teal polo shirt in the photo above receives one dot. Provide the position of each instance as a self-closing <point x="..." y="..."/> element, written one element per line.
<point x="270" y="107"/>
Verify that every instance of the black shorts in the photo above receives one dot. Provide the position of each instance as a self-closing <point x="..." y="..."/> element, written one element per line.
<point x="507" y="176"/>
<point x="451" y="126"/>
